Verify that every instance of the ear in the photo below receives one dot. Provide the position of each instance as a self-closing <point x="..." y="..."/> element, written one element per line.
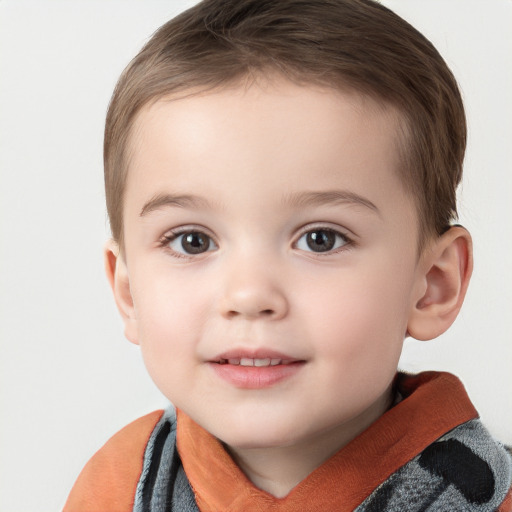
<point x="446" y="268"/>
<point x="117" y="275"/>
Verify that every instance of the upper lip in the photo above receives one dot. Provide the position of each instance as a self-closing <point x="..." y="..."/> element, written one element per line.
<point x="258" y="353"/>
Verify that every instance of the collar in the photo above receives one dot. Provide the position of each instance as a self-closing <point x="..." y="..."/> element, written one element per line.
<point x="433" y="403"/>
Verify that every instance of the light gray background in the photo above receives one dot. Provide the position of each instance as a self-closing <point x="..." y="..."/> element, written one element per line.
<point x="69" y="380"/>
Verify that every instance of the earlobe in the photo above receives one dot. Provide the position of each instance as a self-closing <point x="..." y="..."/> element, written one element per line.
<point x="446" y="269"/>
<point x="117" y="275"/>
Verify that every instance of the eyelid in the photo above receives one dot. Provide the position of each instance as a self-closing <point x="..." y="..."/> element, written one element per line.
<point x="347" y="233"/>
<point x="186" y="228"/>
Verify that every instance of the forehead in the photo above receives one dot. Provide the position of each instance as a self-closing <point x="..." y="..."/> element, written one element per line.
<point x="275" y="135"/>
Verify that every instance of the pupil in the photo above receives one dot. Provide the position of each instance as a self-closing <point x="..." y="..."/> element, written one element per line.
<point x="195" y="243"/>
<point x="321" y="241"/>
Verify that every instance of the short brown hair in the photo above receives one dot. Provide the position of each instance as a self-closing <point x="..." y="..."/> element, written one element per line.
<point x="355" y="44"/>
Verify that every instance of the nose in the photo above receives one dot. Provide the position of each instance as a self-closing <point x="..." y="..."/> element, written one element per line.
<point x="253" y="292"/>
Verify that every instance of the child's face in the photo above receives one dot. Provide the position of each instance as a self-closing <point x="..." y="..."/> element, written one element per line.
<point x="269" y="222"/>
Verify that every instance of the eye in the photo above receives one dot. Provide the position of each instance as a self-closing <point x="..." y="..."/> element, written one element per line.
<point x="322" y="240"/>
<point x="189" y="242"/>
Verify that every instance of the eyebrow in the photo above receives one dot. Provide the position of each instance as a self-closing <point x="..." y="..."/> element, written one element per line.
<point x="304" y="199"/>
<point x="174" y="200"/>
<point x="297" y="200"/>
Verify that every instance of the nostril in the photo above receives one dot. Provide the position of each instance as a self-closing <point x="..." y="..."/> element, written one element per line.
<point x="263" y="313"/>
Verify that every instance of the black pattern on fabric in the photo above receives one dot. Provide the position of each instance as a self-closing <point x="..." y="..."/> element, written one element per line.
<point x="457" y="465"/>
<point x="149" y="488"/>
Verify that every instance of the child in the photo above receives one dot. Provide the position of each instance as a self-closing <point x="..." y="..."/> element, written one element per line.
<point x="280" y="180"/>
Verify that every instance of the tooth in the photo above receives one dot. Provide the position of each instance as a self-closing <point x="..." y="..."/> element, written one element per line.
<point x="246" y="361"/>
<point x="274" y="362"/>
<point x="261" y="362"/>
<point x="234" y="361"/>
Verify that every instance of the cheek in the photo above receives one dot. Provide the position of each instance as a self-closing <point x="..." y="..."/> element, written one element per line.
<point x="359" y="314"/>
<point x="166" y="299"/>
<point x="170" y="315"/>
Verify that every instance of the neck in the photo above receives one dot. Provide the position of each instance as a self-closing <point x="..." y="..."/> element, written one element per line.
<point x="278" y="469"/>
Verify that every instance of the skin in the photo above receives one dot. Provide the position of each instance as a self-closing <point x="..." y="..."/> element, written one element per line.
<point x="246" y="154"/>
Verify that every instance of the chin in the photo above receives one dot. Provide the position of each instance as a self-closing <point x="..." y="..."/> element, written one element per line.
<point x="259" y="438"/>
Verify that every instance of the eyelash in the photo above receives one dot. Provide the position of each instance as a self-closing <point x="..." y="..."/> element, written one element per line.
<point x="173" y="235"/>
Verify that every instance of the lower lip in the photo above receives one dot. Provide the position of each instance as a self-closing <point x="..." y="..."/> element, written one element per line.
<point x="256" y="377"/>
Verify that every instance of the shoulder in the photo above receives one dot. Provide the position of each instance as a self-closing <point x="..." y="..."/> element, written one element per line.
<point x="108" y="481"/>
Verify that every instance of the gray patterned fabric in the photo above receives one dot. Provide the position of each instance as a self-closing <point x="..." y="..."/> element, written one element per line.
<point x="163" y="485"/>
<point x="463" y="471"/>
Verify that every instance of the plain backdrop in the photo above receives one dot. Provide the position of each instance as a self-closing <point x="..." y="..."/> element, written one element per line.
<point x="69" y="380"/>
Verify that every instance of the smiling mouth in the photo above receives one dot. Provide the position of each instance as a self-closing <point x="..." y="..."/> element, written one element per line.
<point x="259" y="362"/>
<point x="255" y="370"/>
